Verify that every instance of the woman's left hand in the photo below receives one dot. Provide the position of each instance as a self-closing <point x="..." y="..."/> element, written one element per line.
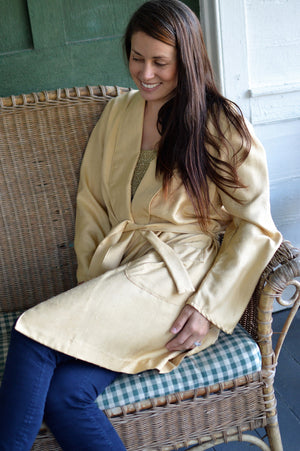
<point x="190" y="328"/>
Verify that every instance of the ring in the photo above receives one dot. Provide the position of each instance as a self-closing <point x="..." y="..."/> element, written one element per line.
<point x="197" y="343"/>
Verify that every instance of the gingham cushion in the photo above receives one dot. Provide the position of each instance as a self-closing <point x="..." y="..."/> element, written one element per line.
<point x="7" y="321"/>
<point x="230" y="357"/>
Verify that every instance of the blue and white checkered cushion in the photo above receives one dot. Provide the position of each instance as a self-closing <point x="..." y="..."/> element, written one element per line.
<point x="232" y="356"/>
<point x="7" y="321"/>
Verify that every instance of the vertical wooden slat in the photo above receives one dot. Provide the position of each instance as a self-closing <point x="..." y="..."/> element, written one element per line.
<point x="47" y="25"/>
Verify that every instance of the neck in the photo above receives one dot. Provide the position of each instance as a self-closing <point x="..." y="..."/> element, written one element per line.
<point x="152" y="108"/>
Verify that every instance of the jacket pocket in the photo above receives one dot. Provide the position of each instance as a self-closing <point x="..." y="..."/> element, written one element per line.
<point x="151" y="274"/>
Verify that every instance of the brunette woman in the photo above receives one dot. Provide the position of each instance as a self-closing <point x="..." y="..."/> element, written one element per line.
<point x="168" y="168"/>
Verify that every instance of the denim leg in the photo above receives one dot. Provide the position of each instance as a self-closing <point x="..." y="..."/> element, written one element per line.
<point x="28" y="372"/>
<point x="71" y="412"/>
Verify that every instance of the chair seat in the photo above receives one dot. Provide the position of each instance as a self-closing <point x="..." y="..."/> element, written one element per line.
<point x="231" y="357"/>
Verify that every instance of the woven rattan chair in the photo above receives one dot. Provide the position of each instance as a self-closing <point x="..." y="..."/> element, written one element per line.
<point x="42" y="140"/>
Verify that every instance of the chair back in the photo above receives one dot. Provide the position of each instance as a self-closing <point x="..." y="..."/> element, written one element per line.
<point x="43" y="137"/>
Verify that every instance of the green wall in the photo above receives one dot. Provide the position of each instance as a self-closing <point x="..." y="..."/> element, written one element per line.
<point x="49" y="44"/>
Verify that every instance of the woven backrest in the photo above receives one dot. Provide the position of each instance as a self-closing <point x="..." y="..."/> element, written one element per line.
<point x="42" y="139"/>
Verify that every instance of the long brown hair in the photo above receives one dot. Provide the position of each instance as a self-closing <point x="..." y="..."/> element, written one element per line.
<point x="183" y="120"/>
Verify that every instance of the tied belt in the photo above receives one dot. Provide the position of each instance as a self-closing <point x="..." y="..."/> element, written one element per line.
<point x="110" y="252"/>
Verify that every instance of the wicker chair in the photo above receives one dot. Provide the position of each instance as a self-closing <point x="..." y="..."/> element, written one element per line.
<point x="42" y="140"/>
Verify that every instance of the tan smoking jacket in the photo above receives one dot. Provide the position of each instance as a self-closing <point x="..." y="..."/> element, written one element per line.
<point x="142" y="260"/>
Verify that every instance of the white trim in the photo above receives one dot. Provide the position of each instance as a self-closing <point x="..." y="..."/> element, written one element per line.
<point x="211" y="26"/>
<point x="225" y="32"/>
<point x="280" y="103"/>
<point x="267" y="90"/>
<point x="224" y="26"/>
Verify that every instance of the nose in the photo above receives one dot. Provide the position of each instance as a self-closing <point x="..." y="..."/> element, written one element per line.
<point x="147" y="72"/>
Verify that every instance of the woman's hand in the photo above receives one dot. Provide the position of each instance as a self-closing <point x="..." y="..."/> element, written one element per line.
<point x="190" y="327"/>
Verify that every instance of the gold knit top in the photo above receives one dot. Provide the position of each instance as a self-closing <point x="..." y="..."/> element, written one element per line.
<point x="145" y="158"/>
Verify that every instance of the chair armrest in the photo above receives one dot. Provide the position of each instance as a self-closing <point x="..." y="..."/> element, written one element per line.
<point x="279" y="274"/>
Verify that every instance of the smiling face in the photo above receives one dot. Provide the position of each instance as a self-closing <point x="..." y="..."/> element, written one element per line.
<point x="153" y="67"/>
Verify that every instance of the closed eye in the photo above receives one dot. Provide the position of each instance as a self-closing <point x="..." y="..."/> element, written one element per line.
<point x="140" y="60"/>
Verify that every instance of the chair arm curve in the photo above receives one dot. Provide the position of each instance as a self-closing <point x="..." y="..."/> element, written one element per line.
<point x="283" y="277"/>
<point x="277" y="281"/>
<point x="285" y="267"/>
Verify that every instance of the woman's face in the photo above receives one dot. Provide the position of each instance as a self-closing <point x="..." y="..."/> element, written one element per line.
<point x="153" y="67"/>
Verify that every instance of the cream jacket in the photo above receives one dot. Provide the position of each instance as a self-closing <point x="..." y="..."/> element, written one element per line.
<point x="142" y="260"/>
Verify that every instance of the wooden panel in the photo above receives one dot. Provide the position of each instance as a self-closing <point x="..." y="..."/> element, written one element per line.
<point x="75" y="43"/>
<point x="95" y="19"/>
<point x="100" y="62"/>
<point x="46" y="23"/>
<point x="101" y="19"/>
<point x="15" y="32"/>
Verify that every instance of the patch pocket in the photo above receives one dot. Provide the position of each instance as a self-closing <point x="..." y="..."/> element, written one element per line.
<point x="151" y="275"/>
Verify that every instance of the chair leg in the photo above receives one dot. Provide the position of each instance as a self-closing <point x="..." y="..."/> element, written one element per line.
<point x="274" y="436"/>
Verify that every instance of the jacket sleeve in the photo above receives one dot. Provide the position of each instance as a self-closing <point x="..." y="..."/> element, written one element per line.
<point x="92" y="221"/>
<point x="250" y="241"/>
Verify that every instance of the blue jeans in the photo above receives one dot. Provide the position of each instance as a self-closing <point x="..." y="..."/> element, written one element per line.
<point x="40" y="382"/>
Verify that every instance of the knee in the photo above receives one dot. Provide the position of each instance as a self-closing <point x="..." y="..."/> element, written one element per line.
<point x="61" y="396"/>
<point x="67" y="391"/>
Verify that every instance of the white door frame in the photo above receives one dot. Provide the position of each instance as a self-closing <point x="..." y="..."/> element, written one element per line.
<point x="224" y="28"/>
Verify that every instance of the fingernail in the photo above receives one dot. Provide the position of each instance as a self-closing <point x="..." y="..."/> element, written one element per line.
<point x="174" y="330"/>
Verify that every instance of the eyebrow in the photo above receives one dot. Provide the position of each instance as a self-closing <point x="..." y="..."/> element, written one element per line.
<point x="154" y="57"/>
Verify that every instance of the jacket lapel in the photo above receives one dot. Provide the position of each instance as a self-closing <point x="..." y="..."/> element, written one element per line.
<point x="126" y="154"/>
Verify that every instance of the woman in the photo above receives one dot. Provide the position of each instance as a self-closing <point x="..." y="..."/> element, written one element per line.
<point x="167" y="169"/>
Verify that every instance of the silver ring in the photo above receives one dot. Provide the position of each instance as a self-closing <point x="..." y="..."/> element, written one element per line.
<point x="197" y="343"/>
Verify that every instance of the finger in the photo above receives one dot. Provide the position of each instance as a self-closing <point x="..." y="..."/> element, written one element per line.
<point x="182" y="319"/>
<point x="186" y="338"/>
<point x="194" y="330"/>
<point x="176" y="344"/>
<point x="180" y="343"/>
